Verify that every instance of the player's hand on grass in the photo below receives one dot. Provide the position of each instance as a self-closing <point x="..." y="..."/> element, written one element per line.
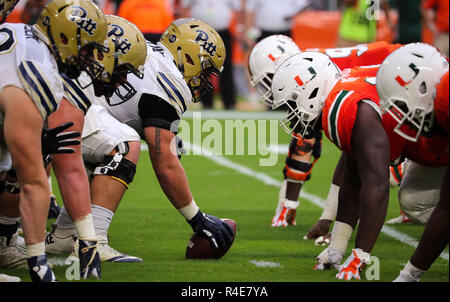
<point x="353" y="266"/>
<point x="218" y="232"/>
<point x="329" y="258"/>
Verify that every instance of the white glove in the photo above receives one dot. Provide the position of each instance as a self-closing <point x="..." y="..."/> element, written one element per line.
<point x="354" y="265"/>
<point x="285" y="213"/>
<point x="329" y="257"/>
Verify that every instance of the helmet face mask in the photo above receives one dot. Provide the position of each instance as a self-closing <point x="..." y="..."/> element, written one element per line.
<point x="406" y="85"/>
<point x="72" y="29"/>
<point x="198" y="52"/>
<point x="301" y="85"/>
<point x="6" y="7"/>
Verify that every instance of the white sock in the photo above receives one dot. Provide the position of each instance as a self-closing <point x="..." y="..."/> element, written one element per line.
<point x="102" y="220"/>
<point x="35" y="249"/>
<point x="85" y="228"/>
<point x="64" y="222"/>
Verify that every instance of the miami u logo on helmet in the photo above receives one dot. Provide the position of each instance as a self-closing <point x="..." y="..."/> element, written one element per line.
<point x="202" y="38"/>
<point x="121" y="44"/>
<point x="78" y="15"/>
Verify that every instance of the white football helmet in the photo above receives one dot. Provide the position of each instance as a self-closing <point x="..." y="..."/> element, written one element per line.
<point x="406" y="85"/>
<point x="265" y="58"/>
<point x="302" y="84"/>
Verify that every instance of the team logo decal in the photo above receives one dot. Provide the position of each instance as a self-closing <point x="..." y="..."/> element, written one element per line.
<point x="402" y="82"/>
<point x="202" y="38"/>
<point x="78" y="14"/>
<point x="122" y="45"/>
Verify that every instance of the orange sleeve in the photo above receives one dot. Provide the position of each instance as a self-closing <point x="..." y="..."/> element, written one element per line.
<point x="441" y="103"/>
<point x="428" y="3"/>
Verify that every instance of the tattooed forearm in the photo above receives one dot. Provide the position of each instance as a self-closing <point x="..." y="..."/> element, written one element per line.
<point x="158" y="144"/>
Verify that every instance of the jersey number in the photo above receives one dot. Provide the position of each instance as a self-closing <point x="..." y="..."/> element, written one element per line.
<point x="346" y="51"/>
<point x="6" y="40"/>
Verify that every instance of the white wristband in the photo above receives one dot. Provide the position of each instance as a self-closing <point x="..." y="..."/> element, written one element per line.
<point x="190" y="210"/>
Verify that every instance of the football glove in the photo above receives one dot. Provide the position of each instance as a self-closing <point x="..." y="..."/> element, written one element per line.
<point x="218" y="232"/>
<point x="54" y="141"/>
<point x="329" y="257"/>
<point x="354" y="265"/>
<point x="285" y="214"/>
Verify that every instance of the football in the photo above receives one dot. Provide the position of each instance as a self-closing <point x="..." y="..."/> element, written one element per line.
<point x="199" y="247"/>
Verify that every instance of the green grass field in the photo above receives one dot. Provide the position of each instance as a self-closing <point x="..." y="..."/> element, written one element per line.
<point x="147" y="225"/>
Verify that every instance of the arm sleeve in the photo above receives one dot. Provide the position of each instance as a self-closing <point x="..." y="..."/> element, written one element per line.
<point x="155" y="112"/>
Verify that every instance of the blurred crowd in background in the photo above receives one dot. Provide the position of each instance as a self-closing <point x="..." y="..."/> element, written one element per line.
<point x="311" y="23"/>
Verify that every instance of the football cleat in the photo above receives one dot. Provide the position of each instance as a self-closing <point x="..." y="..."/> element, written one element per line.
<point x="354" y="265"/>
<point x="89" y="259"/>
<point x="6" y="278"/>
<point x="60" y="241"/>
<point x="285" y="214"/>
<point x="13" y="253"/>
<point x="329" y="258"/>
<point x="39" y="269"/>
<point x="108" y="254"/>
<point x="54" y="209"/>
<point x="399" y="219"/>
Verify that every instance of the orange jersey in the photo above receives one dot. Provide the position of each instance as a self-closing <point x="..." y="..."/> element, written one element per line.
<point x="339" y="114"/>
<point x="441" y="103"/>
<point x="360" y="55"/>
<point x="428" y="151"/>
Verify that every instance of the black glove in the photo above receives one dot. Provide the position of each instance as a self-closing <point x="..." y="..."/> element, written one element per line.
<point x="219" y="233"/>
<point x="53" y="141"/>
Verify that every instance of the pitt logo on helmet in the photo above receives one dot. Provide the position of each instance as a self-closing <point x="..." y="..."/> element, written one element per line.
<point x="122" y="45"/>
<point x="78" y="15"/>
<point x="202" y="38"/>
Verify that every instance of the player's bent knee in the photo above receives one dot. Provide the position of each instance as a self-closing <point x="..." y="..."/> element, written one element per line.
<point x="297" y="171"/>
<point x="118" y="168"/>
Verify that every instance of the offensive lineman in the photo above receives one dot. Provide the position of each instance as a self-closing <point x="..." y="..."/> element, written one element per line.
<point x="32" y="57"/>
<point x="103" y="140"/>
<point x="176" y="71"/>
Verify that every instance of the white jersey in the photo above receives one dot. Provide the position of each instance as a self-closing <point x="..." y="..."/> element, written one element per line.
<point x="26" y="62"/>
<point x="161" y="78"/>
<point x="80" y="92"/>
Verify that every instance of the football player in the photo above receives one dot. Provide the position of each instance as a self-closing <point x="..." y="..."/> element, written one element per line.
<point x="110" y="149"/>
<point x="61" y="41"/>
<point x="264" y="59"/>
<point x="152" y="112"/>
<point x="413" y="86"/>
<point x="346" y="107"/>
<point x="176" y="71"/>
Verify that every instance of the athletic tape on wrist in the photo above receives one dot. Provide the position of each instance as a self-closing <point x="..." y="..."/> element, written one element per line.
<point x="190" y="210"/>
<point x="340" y="235"/>
<point x="330" y="208"/>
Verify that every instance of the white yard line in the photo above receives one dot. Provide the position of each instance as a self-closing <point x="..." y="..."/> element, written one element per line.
<point x="268" y="180"/>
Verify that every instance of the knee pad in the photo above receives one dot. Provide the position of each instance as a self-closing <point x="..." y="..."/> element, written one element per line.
<point x="297" y="171"/>
<point x="118" y="168"/>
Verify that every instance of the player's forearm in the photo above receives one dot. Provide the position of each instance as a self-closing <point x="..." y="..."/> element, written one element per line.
<point x="73" y="184"/>
<point x="374" y="200"/>
<point x="172" y="179"/>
